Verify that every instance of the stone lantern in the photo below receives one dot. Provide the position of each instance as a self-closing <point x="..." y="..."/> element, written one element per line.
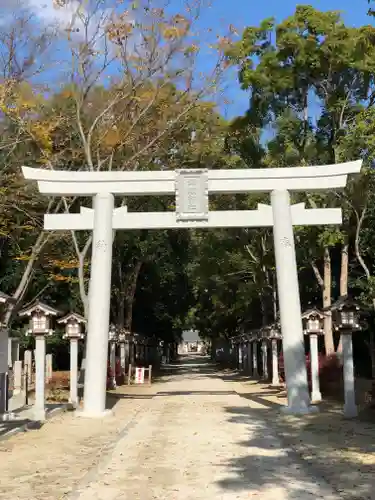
<point x="313" y="326"/>
<point x="73" y="331"/>
<point x="40" y="324"/>
<point x="112" y="339"/>
<point x="345" y="316"/>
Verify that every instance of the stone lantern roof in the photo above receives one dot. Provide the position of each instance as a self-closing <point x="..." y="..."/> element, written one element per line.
<point x="72" y="316"/>
<point x="38" y="306"/>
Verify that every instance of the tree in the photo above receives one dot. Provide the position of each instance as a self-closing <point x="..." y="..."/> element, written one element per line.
<point x="308" y="78"/>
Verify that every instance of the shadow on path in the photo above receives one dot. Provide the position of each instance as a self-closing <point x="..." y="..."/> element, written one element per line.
<point x="338" y="451"/>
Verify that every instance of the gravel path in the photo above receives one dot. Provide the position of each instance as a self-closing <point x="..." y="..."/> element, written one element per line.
<point x="189" y="446"/>
<point x="189" y="438"/>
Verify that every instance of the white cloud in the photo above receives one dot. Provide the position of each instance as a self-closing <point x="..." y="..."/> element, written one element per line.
<point x="72" y="15"/>
<point x="49" y="13"/>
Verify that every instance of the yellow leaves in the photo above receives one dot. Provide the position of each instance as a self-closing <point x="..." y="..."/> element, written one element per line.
<point x="191" y="50"/>
<point x="120" y="30"/>
<point x="59" y="277"/>
<point x="41" y="133"/>
<point x="64" y="264"/>
<point x="175" y="29"/>
<point x="112" y="138"/>
<point x="17" y="99"/>
<point x="172" y="32"/>
<point x="42" y="130"/>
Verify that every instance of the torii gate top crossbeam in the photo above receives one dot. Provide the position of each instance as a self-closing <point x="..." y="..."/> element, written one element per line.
<point x="86" y="183"/>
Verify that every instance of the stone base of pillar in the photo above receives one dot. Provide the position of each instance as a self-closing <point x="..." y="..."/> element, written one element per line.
<point x="316" y="397"/>
<point x="39" y="415"/>
<point x="86" y="414"/>
<point x="5" y="417"/>
<point x="350" y="411"/>
<point x="299" y="410"/>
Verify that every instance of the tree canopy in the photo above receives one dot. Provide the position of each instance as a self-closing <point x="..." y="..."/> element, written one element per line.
<point x="130" y="96"/>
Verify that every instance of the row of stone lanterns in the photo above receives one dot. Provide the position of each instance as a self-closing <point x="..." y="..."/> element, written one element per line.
<point x="40" y="325"/>
<point x="345" y="315"/>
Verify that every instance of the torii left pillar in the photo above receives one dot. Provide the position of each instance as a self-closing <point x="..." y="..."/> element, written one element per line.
<point x="98" y="318"/>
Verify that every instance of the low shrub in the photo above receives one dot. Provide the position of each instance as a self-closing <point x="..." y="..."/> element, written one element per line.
<point x="59" y="380"/>
<point x="330" y="372"/>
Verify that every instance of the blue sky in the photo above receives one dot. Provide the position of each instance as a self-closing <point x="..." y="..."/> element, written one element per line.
<point x="243" y="13"/>
<point x="221" y="14"/>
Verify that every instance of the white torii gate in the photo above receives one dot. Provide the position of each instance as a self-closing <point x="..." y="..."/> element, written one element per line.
<point x="192" y="188"/>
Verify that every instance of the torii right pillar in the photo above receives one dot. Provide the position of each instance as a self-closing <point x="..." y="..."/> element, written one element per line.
<point x="290" y="305"/>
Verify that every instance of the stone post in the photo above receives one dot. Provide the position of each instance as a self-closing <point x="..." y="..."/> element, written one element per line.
<point x="15" y="350"/>
<point x="112" y="363"/>
<point x="40" y="373"/>
<point x="314" y="364"/>
<point x="289" y="304"/>
<point x="350" y="407"/>
<point x="240" y="356"/>
<point x="132" y="353"/>
<point x="265" y="359"/>
<point x="99" y="303"/>
<point x="28" y="362"/>
<point x="73" y="398"/>
<point x="4" y="353"/>
<point x="275" y="363"/>
<point x="49" y="368"/>
<point x="249" y="358"/>
<point x="255" y="359"/>
<point x="123" y="357"/>
<point x="17" y="371"/>
<point x="10" y="358"/>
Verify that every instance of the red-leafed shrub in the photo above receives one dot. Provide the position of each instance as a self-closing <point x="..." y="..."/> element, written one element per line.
<point x="118" y="375"/>
<point x="330" y="371"/>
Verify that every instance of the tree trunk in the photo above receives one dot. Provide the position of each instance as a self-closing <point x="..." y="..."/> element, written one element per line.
<point x="130" y="293"/>
<point x="263" y="306"/>
<point x="344" y="269"/>
<point x="25" y="280"/>
<point x="372" y="348"/>
<point x="327" y="300"/>
<point x="344" y="273"/>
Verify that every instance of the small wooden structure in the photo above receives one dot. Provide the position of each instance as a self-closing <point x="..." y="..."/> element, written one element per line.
<point x="132" y="371"/>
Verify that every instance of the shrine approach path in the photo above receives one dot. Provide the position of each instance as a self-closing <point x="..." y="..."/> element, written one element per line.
<point x="192" y="438"/>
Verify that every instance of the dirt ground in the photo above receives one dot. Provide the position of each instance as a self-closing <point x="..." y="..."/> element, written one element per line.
<point x="340" y="450"/>
<point x="188" y="437"/>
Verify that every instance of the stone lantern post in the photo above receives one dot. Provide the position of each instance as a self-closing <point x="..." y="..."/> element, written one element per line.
<point x="274" y="334"/>
<point x="73" y="331"/>
<point x="263" y="337"/>
<point x="248" y="355"/>
<point x="345" y="314"/>
<point x="239" y="353"/>
<point x="4" y="355"/>
<point x="255" y="354"/>
<point x="313" y="326"/>
<point x="124" y="340"/>
<point x="113" y="339"/>
<point x="40" y="325"/>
